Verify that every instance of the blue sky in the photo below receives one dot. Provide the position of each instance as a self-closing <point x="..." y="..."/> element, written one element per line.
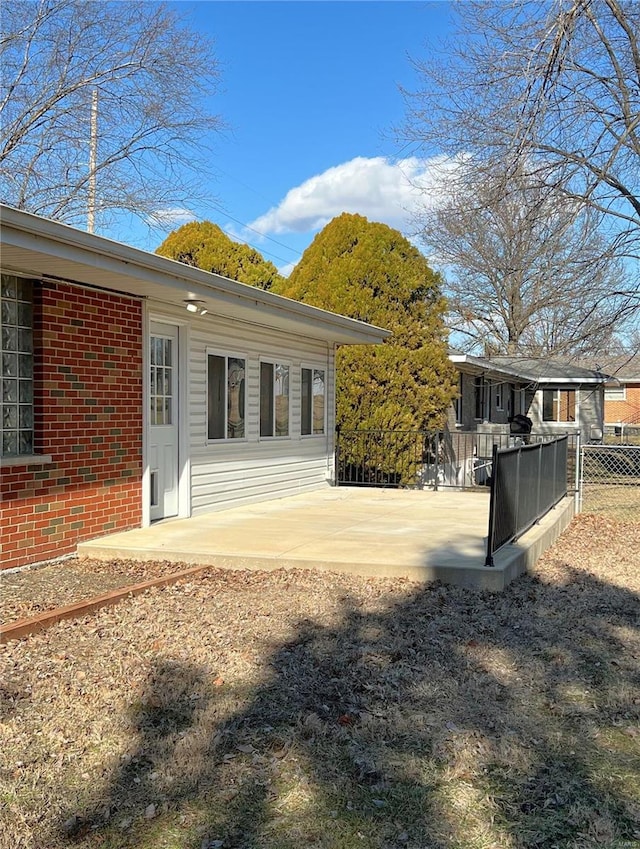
<point x="310" y="94"/>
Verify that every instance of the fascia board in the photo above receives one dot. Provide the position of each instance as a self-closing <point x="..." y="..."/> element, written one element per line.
<point x="571" y="380"/>
<point x="482" y="367"/>
<point x="132" y="266"/>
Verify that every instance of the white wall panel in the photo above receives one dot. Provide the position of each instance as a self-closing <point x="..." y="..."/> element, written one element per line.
<point x="234" y="472"/>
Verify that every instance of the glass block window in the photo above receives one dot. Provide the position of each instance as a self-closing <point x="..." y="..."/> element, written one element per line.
<point x="16" y="327"/>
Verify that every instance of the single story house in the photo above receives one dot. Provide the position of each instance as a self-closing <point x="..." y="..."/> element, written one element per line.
<point x="557" y="397"/>
<point x="621" y="392"/>
<point x="136" y="388"/>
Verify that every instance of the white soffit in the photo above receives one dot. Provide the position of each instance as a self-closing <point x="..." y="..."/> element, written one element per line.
<point x="37" y="246"/>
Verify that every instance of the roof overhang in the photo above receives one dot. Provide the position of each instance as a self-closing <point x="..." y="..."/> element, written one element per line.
<point x="480" y="365"/>
<point x="42" y="248"/>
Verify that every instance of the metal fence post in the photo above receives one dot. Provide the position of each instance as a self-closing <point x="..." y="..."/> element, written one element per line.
<point x="437" y="464"/>
<point x="492" y="509"/>
<point x="518" y="455"/>
<point x="539" y="448"/>
<point x="577" y="498"/>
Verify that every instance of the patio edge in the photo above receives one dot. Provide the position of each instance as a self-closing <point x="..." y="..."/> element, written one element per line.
<point x="511" y="561"/>
<point x="517" y="558"/>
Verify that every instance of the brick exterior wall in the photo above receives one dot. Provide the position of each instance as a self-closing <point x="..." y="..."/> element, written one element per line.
<point x="88" y="417"/>
<point x="623" y="411"/>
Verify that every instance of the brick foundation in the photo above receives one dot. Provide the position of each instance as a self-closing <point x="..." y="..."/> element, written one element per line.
<point x="88" y="417"/>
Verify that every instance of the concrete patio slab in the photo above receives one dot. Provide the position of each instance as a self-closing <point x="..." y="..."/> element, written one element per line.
<point x="420" y="535"/>
<point x="423" y="536"/>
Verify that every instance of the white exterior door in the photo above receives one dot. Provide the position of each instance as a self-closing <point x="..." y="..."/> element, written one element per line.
<point x="163" y="420"/>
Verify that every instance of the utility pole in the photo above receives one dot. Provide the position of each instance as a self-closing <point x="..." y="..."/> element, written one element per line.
<point x="93" y="153"/>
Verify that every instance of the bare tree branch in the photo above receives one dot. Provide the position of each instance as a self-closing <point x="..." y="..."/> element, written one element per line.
<point x="154" y="77"/>
<point x="527" y="270"/>
<point x="556" y="85"/>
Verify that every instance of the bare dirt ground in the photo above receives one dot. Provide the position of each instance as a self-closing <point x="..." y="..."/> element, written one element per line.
<point x="289" y="709"/>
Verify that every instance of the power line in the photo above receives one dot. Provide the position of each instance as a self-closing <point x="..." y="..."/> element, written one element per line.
<point x="217" y="213"/>
<point x="247" y="226"/>
<point x="263" y="251"/>
<point x="264" y="235"/>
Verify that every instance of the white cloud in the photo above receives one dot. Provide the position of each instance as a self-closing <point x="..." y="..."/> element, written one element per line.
<point x="173" y="216"/>
<point x="381" y="190"/>
<point x="286" y="270"/>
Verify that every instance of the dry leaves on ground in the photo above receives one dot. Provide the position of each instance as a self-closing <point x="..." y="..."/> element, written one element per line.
<point x="31" y="591"/>
<point x="284" y="709"/>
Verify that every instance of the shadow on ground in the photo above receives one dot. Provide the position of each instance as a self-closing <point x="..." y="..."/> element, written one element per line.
<point x="451" y="719"/>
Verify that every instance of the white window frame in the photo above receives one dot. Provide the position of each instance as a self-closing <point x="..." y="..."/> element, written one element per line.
<point x="226" y="355"/>
<point x="275" y="363"/>
<point x="499" y="396"/>
<point x="313" y="367"/>
<point x="557" y="420"/>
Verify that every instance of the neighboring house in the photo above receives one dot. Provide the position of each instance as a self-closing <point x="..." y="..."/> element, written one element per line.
<point x="136" y="388"/>
<point x="557" y="397"/>
<point x="622" y="391"/>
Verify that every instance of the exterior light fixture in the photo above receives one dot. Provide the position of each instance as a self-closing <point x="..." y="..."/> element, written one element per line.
<point x="194" y="305"/>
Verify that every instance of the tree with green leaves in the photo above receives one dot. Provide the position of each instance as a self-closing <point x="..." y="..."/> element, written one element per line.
<point x="204" y="245"/>
<point x="370" y="272"/>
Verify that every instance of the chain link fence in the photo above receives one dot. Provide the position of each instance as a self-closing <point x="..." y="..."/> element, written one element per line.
<point x="610" y="481"/>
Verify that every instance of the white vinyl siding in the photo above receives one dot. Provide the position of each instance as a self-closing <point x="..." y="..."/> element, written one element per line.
<point x="231" y="472"/>
<point x="615" y="393"/>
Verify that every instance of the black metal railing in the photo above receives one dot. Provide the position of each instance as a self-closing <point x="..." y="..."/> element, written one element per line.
<point x="382" y="458"/>
<point x="526" y="482"/>
<point x="424" y="459"/>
